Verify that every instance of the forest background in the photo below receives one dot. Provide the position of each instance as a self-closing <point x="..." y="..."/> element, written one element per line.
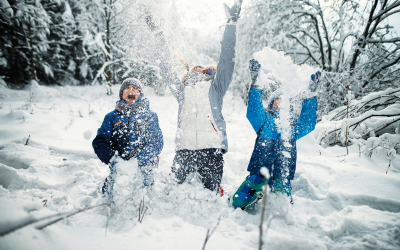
<point x="71" y="42"/>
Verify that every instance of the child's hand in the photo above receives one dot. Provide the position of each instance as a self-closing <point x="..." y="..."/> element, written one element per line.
<point x="254" y="67"/>
<point x="314" y="81"/>
<point x="151" y="24"/>
<point x="232" y="14"/>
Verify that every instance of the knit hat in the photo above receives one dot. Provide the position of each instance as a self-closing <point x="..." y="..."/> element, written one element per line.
<point x="131" y="81"/>
<point x="211" y="70"/>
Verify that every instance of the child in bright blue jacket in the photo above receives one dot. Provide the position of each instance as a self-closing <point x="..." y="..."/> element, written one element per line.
<point x="271" y="151"/>
<point x="130" y="131"/>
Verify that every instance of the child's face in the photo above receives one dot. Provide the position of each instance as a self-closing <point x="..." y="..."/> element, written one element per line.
<point x="276" y="103"/>
<point x="198" y="69"/>
<point x="130" y="94"/>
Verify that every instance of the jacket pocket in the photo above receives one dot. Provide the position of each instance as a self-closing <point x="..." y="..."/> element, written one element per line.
<point x="214" y="126"/>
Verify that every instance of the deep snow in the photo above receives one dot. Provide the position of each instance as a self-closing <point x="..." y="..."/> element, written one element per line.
<point x="340" y="202"/>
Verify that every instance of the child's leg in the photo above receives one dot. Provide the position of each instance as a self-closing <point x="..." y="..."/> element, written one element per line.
<point x="210" y="164"/>
<point x="183" y="164"/>
<point x="108" y="186"/>
<point x="280" y="185"/>
<point x="147" y="172"/>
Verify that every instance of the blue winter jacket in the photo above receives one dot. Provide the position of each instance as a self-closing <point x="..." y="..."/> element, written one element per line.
<point x="144" y="140"/>
<point x="270" y="150"/>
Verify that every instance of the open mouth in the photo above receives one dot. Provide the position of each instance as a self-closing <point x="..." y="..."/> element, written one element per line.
<point x="131" y="97"/>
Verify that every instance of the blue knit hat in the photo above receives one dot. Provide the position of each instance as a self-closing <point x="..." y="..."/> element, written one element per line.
<point x="131" y="81"/>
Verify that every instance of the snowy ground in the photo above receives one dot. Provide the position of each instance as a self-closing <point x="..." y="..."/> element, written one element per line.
<point x="340" y="202"/>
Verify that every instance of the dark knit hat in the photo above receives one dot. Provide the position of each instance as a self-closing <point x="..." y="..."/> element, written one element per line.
<point x="131" y="81"/>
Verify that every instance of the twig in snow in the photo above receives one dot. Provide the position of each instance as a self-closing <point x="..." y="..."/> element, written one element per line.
<point x="390" y="162"/>
<point x="68" y="215"/>
<point x="32" y="220"/>
<point x="262" y="215"/>
<point x="269" y="223"/>
<point x="390" y="155"/>
<point x="141" y="212"/>
<point x="208" y="235"/>
<point x="108" y="216"/>
<point x="27" y="140"/>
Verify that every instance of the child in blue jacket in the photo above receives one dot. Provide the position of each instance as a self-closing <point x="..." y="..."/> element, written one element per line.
<point x="131" y="130"/>
<point x="271" y="151"/>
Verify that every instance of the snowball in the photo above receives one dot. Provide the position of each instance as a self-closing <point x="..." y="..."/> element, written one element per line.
<point x="314" y="221"/>
<point x="87" y="134"/>
<point x="286" y="154"/>
<point x="264" y="171"/>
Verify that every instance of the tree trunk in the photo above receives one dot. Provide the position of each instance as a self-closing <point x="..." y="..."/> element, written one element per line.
<point x="361" y="43"/>
<point x="108" y="43"/>
<point x="32" y="55"/>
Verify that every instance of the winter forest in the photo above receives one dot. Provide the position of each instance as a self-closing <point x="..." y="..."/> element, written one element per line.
<point x="62" y="68"/>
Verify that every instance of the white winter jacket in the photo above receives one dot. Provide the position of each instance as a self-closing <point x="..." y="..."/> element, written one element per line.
<point x="200" y="121"/>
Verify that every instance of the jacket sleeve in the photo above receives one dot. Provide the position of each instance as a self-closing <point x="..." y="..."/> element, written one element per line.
<point x="167" y="71"/>
<point x="308" y="118"/>
<point x="155" y="143"/>
<point x="102" y="143"/>
<point x="255" y="110"/>
<point x="226" y="62"/>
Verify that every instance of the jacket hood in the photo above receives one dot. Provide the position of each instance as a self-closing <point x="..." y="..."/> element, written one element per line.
<point x="273" y="97"/>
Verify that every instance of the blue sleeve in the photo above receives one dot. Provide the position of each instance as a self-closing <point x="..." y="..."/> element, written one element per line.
<point x="102" y="143"/>
<point x="255" y="109"/>
<point x="226" y="63"/>
<point x="155" y="143"/>
<point x="308" y="118"/>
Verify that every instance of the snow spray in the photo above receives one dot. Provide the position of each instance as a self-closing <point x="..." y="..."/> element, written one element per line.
<point x="279" y="72"/>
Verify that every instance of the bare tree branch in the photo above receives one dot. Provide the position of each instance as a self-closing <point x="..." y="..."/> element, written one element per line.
<point x="392" y="40"/>
<point x="302" y="44"/>
<point x="386" y="65"/>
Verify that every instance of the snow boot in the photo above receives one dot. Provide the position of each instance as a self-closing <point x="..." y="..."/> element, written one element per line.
<point x="249" y="193"/>
<point x="279" y="185"/>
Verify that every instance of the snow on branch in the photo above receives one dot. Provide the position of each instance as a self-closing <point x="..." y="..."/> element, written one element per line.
<point x="304" y="46"/>
<point x="382" y="67"/>
<point x="372" y="123"/>
<point x="392" y="40"/>
<point x="307" y="34"/>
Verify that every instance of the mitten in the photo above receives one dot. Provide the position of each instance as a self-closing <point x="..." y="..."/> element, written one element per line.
<point x="254" y="67"/>
<point x="314" y="81"/>
<point x="232" y="14"/>
<point x="152" y="26"/>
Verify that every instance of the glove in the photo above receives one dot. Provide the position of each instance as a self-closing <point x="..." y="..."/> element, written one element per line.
<point x="254" y="67"/>
<point x="232" y="14"/>
<point x="114" y="160"/>
<point x="151" y="24"/>
<point x="110" y="180"/>
<point x="314" y="81"/>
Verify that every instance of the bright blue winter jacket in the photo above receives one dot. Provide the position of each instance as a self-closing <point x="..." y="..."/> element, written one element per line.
<point x="144" y="140"/>
<point x="269" y="149"/>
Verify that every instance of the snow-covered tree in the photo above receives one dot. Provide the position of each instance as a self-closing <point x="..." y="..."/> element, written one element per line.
<point x="24" y="35"/>
<point x="351" y="41"/>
